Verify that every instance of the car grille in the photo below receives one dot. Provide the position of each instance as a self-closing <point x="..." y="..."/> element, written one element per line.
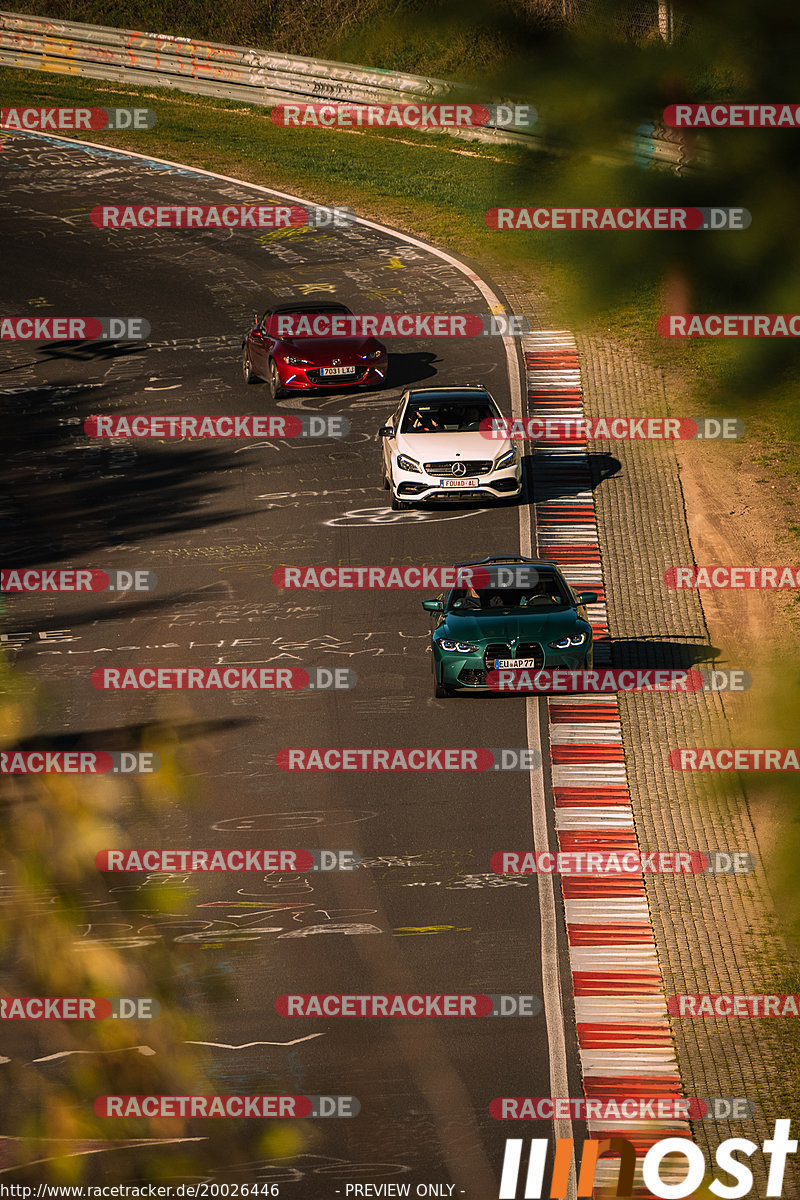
<point x="531" y="650"/>
<point x="472" y="677"/>
<point x="524" y="650"/>
<point x="495" y="650"/>
<point x="445" y="469"/>
<point x="357" y="376"/>
<point x="457" y="496"/>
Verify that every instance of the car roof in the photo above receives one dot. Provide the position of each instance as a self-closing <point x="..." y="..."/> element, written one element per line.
<point x="435" y="396"/>
<point x="506" y="559"/>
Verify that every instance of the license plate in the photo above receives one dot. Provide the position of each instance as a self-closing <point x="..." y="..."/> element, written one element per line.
<point x="458" y="483"/>
<point x="521" y="664"/>
<point x="337" y="370"/>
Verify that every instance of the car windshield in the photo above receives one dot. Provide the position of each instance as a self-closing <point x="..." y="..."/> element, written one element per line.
<point x="547" y="593"/>
<point x="459" y="417"/>
<point x="311" y="310"/>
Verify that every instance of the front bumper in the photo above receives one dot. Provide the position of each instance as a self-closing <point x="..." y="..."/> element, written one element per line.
<point x="469" y="670"/>
<point x="495" y="485"/>
<point x="309" y="378"/>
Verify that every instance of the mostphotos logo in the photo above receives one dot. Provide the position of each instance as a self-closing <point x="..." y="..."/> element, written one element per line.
<point x="653" y="1166"/>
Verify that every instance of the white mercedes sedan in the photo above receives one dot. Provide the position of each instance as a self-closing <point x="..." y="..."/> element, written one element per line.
<point x="443" y="444"/>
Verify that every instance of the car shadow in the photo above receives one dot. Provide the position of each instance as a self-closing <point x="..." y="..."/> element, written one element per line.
<point x="544" y="484"/>
<point x="646" y="653"/>
<point x="407" y="369"/>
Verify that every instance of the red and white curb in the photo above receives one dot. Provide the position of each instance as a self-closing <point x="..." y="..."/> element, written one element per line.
<point x="625" y="1041"/>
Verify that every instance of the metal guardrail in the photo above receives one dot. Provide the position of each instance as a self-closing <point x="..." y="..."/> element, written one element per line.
<point x="265" y="78"/>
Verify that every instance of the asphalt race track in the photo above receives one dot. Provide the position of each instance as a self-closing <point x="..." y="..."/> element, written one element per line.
<point x="213" y="519"/>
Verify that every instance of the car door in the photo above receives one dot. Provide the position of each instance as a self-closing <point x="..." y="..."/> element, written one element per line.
<point x="438" y="618"/>
<point x="390" y="443"/>
<point x="259" y="341"/>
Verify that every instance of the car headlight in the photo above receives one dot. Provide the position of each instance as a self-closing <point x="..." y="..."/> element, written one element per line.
<point x="408" y="464"/>
<point x="506" y="460"/>
<point x="297" y="362"/>
<point x="457" y="647"/>
<point x="575" y="639"/>
<point x="373" y="354"/>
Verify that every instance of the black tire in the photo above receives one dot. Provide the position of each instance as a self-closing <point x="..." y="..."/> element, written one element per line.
<point x="398" y="505"/>
<point x="274" y="380"/>
<point x="440" y="691"/>
<point x="248" y="374"/>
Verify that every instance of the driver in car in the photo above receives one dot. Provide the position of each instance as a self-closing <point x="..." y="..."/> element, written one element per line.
<point x="542" y="591"/>
<point x="424" y="422"/>
<point x="473" y="600"/>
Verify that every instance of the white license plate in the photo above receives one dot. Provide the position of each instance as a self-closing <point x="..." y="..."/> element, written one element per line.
<point x="458" y="482"/>
<point x="521" y="664"/>
<point x="337" y="370"/>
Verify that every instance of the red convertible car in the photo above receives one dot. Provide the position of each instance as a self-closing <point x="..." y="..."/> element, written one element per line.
<point x="292" y="362"/>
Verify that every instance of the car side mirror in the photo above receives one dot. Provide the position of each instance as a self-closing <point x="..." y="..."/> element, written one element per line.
<point x="386" y="431"/>
<point x="587" y="598"/>
<point x="433" y="605"/>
